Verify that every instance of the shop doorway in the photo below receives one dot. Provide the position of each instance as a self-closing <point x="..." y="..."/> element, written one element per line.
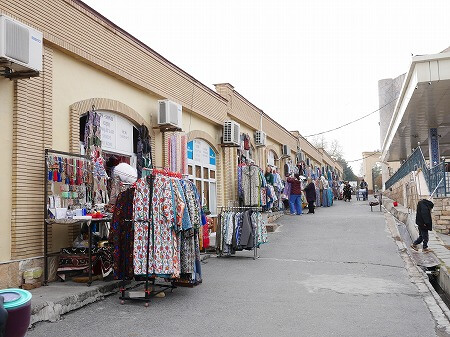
<point x="119" y="139"/>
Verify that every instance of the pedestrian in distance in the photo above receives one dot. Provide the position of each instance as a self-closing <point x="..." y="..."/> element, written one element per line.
<point x="425" y="224"/>
<point x="310" y="191"/>
<point x="295" y="199"/>
<point x="363" y="186"/>
<point x="347" y="191"/>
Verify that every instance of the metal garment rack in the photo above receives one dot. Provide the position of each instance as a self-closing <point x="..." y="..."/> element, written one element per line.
<point x="150" y="280"/>
<point x="48" y="152"/>
<point x="231" y="209"/>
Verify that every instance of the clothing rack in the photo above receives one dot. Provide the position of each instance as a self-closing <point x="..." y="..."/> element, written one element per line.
<point x="148" y="293"/>
<point x="48" y="152"/>
<point x="239" y="208"/>
<point x="150" y="279"/>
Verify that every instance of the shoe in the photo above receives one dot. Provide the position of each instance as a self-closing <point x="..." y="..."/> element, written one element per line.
<point x="426" y="250"/>
<point x="413" y="246"/>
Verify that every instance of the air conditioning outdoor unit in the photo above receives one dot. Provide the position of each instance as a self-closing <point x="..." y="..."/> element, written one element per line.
<point x="260" y="138"/>
<point x="300" y="156"/>
<point x="20" y="46"/>
<point x="285" y="150"/>
<point x="169" y="114"/>
<point x="231" y="133"/>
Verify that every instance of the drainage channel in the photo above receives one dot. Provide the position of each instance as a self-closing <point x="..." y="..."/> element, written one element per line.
<point x="427" y="262"/>
<point x="433" y="276"/>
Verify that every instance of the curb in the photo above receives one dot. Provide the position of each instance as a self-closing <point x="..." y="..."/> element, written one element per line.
<point x="53" y="310"/>
<point x="419" y="278"/>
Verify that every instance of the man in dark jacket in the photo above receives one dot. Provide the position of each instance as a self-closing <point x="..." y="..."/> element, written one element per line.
<point x="425" y="224"/>
<point x="310" y="191"/>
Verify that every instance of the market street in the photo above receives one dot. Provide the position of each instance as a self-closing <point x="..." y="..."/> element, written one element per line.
<point x="335" y="273"/>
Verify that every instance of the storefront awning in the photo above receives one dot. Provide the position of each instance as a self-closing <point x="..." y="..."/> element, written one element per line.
<point x="424" y="103"/>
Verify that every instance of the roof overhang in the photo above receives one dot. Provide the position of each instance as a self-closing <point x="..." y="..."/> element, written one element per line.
<point x="424" y="103"/>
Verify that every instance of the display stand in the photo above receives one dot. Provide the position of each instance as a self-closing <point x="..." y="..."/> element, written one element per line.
<point x="225" y="209"/>
<point x="48" y="221"/>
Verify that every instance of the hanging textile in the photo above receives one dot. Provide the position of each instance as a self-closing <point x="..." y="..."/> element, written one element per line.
<point x="251" y="183"/>
<point x="184" y="165"/>
<point x="93" y="148"/>
<point x="121" y="235"/>
<point x="163" y="257"/>
<point x="143" y="151"/>
<point x="240" y="231"/>
<point x="173" y="245"/>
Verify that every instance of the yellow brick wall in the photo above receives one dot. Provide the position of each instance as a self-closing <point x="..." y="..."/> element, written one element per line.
<point x="32" y="133"/>
<point x="6" y="135"/>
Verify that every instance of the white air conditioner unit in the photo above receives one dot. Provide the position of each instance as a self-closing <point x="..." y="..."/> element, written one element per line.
<point x="20" y="46"/>
<point x="169" y="114"/>
<point x="260" y="138"/>
<point x="300" y="156"/>
<point x="231" y="133"/>
<point x="285" y="150"/>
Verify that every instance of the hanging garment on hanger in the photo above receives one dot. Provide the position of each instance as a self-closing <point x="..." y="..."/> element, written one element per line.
<point x="251" y="185"/>
<point x="121" y="235"/>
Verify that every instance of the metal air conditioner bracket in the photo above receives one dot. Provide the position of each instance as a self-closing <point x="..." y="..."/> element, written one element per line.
<point x="167" y="128"/>
<point x="16" y="75"/>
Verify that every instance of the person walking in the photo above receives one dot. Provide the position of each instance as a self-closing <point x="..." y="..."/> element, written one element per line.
<point x="425" y="224"/>
<point x="295" y="199"/>
<point x="347" y="191"/>
<point x="310" y="191"/>
<point x="363" y="186"/>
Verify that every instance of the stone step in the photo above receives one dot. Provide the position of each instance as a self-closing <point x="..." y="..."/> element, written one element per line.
<point x="272" y="227"/>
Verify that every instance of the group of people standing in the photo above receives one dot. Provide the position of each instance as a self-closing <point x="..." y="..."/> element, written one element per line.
<point x="298" y="191"/>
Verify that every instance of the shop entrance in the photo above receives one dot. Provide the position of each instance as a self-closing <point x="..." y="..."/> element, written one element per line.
<point x="119" y="139"/>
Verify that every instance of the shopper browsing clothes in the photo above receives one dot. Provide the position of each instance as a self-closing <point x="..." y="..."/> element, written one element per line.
<point x="270" y="190"/>
<point x="295" y="199"/>
<point x="310" y="191"/>
<point x="425" y="224"/>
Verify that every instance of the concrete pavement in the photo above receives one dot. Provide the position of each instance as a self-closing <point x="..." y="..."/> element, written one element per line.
<point x="335" y="273"/>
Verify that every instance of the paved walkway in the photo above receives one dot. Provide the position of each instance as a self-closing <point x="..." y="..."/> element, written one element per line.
<point x="335" y="273"/>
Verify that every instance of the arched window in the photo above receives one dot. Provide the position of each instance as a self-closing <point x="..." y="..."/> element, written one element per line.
<point x="271" y="158"/>
<point x="202" y="171"/>
<point x="119" y="139"/>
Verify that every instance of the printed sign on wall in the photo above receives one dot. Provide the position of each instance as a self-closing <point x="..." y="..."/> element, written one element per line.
<point x="116" y="133"/>
<point x="200" y="152"/>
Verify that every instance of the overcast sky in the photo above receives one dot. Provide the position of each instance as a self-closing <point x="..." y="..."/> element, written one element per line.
<point x="310" y="65"/>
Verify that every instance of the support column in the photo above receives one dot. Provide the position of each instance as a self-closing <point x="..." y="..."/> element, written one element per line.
<point x="433" y="146"/>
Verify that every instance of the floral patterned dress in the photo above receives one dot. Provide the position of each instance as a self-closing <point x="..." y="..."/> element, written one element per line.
<point x="141" y="217"/>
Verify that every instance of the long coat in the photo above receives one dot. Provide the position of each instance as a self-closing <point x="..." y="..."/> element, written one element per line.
<point x="423" y="214"/>
<point x="310" y="191"/>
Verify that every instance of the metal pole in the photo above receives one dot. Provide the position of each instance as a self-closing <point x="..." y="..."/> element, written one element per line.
<point x="89" y="223"/>
<point x="45" y="218"/>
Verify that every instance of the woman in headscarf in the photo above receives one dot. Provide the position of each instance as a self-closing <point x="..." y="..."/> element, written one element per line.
<point x="325" y="202"/>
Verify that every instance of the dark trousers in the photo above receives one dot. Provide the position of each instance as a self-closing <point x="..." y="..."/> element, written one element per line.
<point x="310" y="206"/>
<point x="423" y="236"/>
